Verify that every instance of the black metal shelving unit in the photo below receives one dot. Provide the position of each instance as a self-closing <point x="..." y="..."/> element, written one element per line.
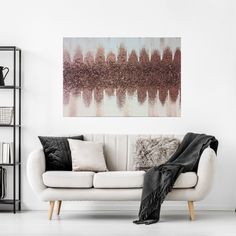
<point x="15" y="201"/>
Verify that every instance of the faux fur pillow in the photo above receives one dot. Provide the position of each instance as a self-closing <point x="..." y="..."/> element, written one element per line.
<point x="151" y="152"/>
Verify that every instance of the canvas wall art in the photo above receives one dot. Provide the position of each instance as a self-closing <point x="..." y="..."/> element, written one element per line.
<point x="122" y="77"/>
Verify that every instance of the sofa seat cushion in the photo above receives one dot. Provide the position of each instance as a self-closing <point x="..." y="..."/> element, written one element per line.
<point x="186" y="180"/>
<point x="134" y="179"/>
<point x="119" y="179"/>
<point x="68" y="179"/>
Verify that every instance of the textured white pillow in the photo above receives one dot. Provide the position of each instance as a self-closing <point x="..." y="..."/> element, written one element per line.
<point x="87" y="156"/>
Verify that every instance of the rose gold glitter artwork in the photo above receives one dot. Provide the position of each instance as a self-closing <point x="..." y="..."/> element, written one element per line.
<point x="122" y="77"/>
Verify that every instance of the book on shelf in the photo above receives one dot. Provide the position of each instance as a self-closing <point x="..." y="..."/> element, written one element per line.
<point x="1" y="160"/>
<point x="11" y="153"/>
<point x="6" y="153"/>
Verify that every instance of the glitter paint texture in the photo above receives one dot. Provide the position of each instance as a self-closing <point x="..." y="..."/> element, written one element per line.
<point x="136" y="80"/>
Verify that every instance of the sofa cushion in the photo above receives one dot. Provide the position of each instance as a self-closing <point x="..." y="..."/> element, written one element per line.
<point x="68" y="179"/>
<point x="186" y="180"/>
<point x="119" y="179"/>
<point x="134" y="179"/>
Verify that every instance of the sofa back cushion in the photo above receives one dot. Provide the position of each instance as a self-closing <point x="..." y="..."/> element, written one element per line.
<point x="119" y="150"/>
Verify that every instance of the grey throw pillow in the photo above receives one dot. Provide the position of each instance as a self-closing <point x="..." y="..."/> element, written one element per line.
<point x="151" y="152"/>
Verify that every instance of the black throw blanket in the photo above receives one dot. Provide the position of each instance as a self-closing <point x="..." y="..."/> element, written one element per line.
<point x="159" y="180"/>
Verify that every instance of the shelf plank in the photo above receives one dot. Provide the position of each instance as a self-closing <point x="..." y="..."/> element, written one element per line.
<point x="10" y="164"/>
<point x="10" y="87"/>
<point x="9" y="125"/>
<point x="9" y="48"/>
<point x="8" y="201"/>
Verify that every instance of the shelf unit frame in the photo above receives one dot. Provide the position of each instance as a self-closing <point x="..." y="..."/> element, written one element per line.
<point x="15" y="200"/>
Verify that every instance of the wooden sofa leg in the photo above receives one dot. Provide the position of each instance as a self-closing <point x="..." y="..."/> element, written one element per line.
<point x="52" y="203"/>
<point x="191" y="210"/>
<point x="58" y="207"/>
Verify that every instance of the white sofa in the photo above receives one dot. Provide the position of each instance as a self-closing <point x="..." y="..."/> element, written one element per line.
<point x="121" y="183"/>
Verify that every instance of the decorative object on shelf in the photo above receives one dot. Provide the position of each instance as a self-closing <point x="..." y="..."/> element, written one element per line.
<point x="3" y="178"/>
<point x="2" y="76"/>
<point x="6" y="153"/>
<point x="10" y="121"/>
<point x="122" y="77"/>
<point x="6" y="115"/>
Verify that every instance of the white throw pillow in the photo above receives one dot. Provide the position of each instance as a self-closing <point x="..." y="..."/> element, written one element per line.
<point x="87" y="156"/>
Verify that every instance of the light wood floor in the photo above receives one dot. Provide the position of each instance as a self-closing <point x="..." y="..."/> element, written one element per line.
<point x="116" y="223"/>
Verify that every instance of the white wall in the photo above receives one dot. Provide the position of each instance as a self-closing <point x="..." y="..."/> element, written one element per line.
<point x="208" y="34"/>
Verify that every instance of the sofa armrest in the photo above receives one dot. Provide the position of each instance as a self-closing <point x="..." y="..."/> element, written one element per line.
<point x="205" y="173"/>
<point x="35" y="169"/>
